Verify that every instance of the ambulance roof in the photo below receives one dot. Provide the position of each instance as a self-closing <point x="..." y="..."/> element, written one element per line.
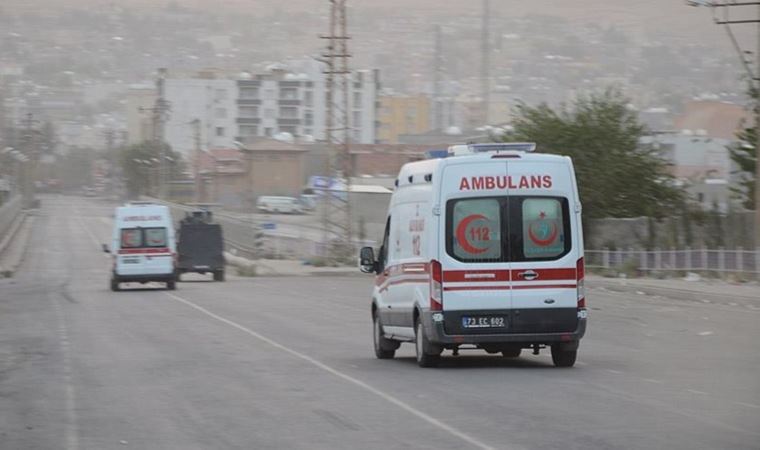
<point x="142" y="212"/>
<point x="415" y="172"/>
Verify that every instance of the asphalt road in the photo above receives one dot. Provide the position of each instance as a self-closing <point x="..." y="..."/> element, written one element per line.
<point x="257" y="363"/>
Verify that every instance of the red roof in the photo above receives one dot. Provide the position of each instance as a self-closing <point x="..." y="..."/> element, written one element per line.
<point x="718" y="119"/>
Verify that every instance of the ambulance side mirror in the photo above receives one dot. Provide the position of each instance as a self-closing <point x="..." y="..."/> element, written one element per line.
<point x="367" y="262"/>
<point x="105" y="248"/>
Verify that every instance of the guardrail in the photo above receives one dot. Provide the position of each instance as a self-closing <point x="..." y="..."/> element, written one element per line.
<point x="686" y="260"/>
<point x="9" y="212"/>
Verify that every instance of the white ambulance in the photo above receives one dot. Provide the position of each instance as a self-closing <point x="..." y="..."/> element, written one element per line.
<point x="482" y="249"/>
<point x="143" y="245"/>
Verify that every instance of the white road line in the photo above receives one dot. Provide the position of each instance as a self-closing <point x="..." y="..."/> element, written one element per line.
<point x="694" y="391"/>
<point x="614" y="371"/>
<point x="748" y="405"/>
<point x="389" y="398"/>
<point x="652" y="380"/>
<point x="71" y="427"/>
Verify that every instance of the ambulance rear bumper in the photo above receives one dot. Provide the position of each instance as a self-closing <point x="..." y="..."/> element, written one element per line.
<point x="436" y="334"/>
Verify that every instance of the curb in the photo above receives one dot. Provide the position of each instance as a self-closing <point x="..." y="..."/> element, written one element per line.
<point x="7" y="272"/>
<point x="674" y="293"/>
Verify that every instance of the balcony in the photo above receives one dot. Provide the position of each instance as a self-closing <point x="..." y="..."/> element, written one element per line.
<point x="284" y="121"/>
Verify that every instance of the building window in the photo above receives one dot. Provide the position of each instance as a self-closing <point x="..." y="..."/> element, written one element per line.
<point x="308" y="131"/>
<point x="289" y="93"/>
<point x="220" y="131"/>
<point x="701" y="197"/>
<point x="288" y="112"/>
<point x="357" y="119"/>
<point x="308" y="98"/>
<point x="249" y="112"/>
<point x="248" y="130"/>
<point x="308" y="118"/>
<point x="220" y="113"/>
<point x="220" y="94"/>
<point x="357" y="99"/>
<point x="268" y="131"/>
<point x="249" y="93"/>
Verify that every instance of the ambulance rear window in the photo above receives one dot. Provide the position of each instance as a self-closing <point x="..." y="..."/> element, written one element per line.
<point x="508" y="229"/>
<point x="475" y="230"/>
<point x="155" y="237"/>
<point x="131" y="238"/>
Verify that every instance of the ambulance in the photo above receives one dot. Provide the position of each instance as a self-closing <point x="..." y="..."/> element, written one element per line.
<point x="143" y="245"/>
<point x="482" y="249"/>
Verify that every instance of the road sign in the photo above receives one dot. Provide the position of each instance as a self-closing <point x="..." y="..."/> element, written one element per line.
<point x="268" y="226"/>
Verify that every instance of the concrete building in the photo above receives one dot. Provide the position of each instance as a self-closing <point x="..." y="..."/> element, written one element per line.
<point x="267" y="167"/>
<point x="402" y="114"/>
<point x="211" y="101"/>
<point x="285" y="99"/>
<point x="140" y="98"/>
<point x="292" y="99"/>
<point x="701" y="163"/>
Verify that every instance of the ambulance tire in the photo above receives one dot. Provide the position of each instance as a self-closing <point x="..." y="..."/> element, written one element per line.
<point x="115" y="285"/>
<point x="425" y="358"/>
<point x="563" y="358"/>
<point x="384" y="348"/>
<point x="219" y="275"/>
<point x="171" y="284"/>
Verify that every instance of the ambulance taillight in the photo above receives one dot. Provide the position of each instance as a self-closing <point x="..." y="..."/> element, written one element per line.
<point x="579" y="276"/>
<point x="436" y="286"/>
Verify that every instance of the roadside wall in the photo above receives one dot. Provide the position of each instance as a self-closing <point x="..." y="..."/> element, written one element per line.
<point x="8" y="213"/>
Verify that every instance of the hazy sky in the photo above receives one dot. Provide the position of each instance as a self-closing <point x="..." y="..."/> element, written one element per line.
<point x="664" y="19"/>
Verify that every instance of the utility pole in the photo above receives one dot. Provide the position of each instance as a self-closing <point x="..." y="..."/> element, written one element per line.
<point x="196" y="123"/>
<point x="485" y="70"/>
<point x="725" y="19"/>
<point x="336" y="214"/>
<point x="437" y="72"/>
<point x="110" y="136"/>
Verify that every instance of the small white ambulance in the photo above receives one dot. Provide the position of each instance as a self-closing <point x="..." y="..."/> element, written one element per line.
<point x="143" y="245"/>
<point x="482" y="249"/>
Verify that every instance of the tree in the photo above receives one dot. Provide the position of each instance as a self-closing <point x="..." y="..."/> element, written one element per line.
<point x="744" y="154"/>
<point x="617" y="176"/>
<point x="140" y="165"/>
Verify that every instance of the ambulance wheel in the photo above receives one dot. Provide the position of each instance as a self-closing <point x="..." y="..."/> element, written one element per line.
<point x="171" y="285"/>
<point x="511" y="352"/>
<point x="426" y="357"/>
<point x="563" y="358"/>
<point x="384" y="348"/>
<point x="115" y="285"/>
<point x="219" y="275"/>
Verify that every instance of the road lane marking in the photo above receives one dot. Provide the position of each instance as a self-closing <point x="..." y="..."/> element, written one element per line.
<point x="71" y="428"/>
<point x="748" y="405"/>
<point x="694" y="391"/>
<point x="389" y="398"/>
<point x="706" y="333"/>
<point x="652" y="380"/>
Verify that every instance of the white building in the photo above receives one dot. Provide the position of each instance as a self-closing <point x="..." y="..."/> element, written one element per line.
<point x="212" y="102"/>
<point x="293" y="99"/>
<point x="285" y="99"/>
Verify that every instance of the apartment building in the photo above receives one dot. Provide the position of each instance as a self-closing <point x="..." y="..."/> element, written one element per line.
<point x="284" y="100"/>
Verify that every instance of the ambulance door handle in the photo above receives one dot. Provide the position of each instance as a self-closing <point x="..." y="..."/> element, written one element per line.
<point x="528" y="275"/>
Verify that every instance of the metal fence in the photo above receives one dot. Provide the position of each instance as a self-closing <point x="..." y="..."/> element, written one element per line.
<point x="696" y="260"/>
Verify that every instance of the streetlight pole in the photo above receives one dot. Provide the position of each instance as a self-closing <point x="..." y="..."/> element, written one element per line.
<point x="754" y="78"/>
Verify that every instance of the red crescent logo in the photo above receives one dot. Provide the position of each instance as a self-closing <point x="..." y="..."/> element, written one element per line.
<point x="461" y="234"/>
<point x="543" y="242"/>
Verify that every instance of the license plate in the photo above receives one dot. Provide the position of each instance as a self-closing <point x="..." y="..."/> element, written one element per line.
<point x="484" y="322"/>
<point x="130" y="261"/>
